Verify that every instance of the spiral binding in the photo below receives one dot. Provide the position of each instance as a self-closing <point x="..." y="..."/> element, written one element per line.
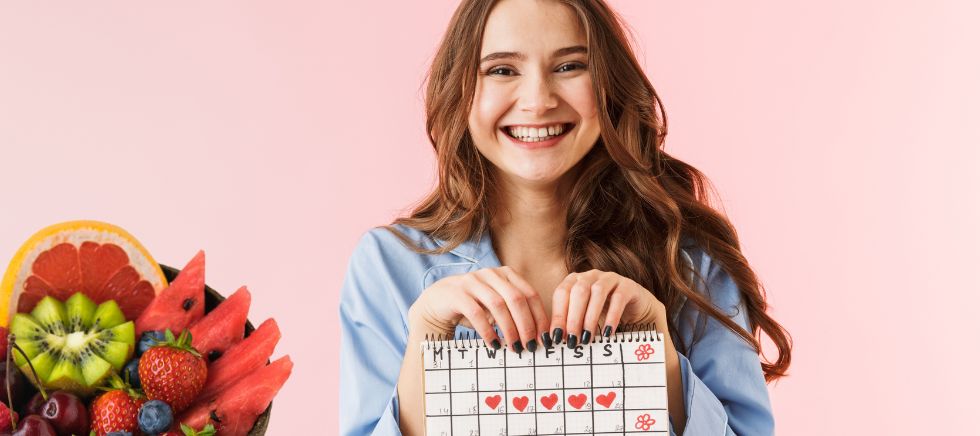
<point x="641" y="332"/>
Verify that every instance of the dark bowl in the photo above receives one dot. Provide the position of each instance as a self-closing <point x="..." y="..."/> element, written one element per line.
<point x="211" y="300"/>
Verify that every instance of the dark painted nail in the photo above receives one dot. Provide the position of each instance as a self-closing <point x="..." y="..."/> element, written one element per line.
<point x="572" y="341"/>
<point x="495" y="344"/>
<point x="557" y="335"/>
<point x="532" y="345"/>
<point x="586" y="337"/>
<point x="518" y="347"/>
<point x="608" y="331"/>
<point x="546" y="339"/>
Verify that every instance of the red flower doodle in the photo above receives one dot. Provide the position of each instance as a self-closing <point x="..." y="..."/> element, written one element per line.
<point x="644" y="352"/>
<point x="644" y="422"/>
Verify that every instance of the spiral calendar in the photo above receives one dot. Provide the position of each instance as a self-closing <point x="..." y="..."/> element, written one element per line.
<point x="613" y="386"/>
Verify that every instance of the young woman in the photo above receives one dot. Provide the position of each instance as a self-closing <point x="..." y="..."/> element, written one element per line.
<point x="557" y="217"/>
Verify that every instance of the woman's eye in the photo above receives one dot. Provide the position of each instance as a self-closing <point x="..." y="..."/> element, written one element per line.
<point x="492" y="71"/>
<point x="573" y="64"/>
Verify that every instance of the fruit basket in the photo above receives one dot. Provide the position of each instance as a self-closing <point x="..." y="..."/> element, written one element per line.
<point x="211" y="300"/>
<point x="95" y="312"/>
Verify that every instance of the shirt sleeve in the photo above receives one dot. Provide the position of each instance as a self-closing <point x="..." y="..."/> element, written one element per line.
<point x="724" y="387"/>
<point x="372" y="345"/>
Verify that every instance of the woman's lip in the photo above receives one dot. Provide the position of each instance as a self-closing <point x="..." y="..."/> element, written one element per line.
<point x="539" y="144"/>
<point x="568" y="125"/>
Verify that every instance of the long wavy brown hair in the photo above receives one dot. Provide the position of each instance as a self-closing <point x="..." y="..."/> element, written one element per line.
<point x="631" y="202"/>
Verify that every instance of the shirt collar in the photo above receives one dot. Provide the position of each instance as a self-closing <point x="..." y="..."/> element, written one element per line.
<point x="478" y="249"/>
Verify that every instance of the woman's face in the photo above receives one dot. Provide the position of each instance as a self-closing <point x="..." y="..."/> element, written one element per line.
<point x="533" y="84"/>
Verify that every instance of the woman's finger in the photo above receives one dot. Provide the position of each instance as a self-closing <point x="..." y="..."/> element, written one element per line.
<point x="517" y="304"/>
<point x="617" y="304"/>
<point x="477" y="316"/>
<point x="559" y="307"/>
<point x="495" y="304"/>
<point x="578" y="302"/>
<point x="534" y="303"/>
<point x="600" y="290"/>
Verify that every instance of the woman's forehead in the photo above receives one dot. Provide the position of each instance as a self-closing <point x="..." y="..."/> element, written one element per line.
<point x="534" y="27"/>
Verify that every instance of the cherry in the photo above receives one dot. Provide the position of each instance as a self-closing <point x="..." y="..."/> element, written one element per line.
<point x="20" y="388"/>
<point x="63" y="410"/>
<point x="33" y="425"/>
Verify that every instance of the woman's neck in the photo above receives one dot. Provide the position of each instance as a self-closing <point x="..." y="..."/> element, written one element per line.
<point x="528" y="226"/>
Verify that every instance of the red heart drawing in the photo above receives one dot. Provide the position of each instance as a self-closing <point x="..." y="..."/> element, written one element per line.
<point x="577" y="401"/>
<point x="549" y="401"/>
<point x="606" y="400"/>
<point x="520" y="403"/>
<point x="492" y="402"/>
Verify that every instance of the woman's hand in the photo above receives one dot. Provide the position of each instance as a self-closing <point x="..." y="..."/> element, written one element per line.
<point x="481" y="298"/>
<point x="585" y="302"/>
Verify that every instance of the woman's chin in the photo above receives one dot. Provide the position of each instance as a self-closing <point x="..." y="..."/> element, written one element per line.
<point x="534" y="178"/>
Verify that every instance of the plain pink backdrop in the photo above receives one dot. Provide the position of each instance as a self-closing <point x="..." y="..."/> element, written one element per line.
<point x="842" y="136"/>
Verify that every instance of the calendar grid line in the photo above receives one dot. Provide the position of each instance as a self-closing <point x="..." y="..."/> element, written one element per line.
<point x="534" y="381"/>
<point x="506" y="418"/>
<point x="546" y="413"/>
<point x="450" y="360"/>
<point x="592" y="386"/>
<point x="476" y="359"/>
<point x="622" y="362"/>
<point x="564" y="421"/>
<point x="555" y="389"/>
<point x="597" y="364"/>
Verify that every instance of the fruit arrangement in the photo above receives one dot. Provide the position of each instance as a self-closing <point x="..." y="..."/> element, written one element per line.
<point x="99" y="339"/>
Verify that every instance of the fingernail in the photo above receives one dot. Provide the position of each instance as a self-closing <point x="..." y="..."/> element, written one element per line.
<point x="572" y="341"/>
<point x="557" y="335"/>
<point x="608" y="331"/>
<point x="518" y="347"/>
<point x="586" y="336"/>
<point x="546" y="339"/>
<point x="495" y="344"/>
<point x="532" y="345"/>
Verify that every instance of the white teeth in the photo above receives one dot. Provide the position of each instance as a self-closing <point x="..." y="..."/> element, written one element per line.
<point x="534" y="134"/>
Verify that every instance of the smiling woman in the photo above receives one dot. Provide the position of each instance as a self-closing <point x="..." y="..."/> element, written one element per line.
<point x="557" y="218"/>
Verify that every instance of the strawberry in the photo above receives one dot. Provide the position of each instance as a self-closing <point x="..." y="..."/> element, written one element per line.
<point x="173" y="371"/>
<point x="117" y="409"/>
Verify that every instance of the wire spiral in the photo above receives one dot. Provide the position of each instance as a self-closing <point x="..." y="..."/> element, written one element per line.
<point x="643" y="332"/>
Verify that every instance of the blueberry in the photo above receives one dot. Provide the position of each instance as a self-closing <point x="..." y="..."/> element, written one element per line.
<point x="118" y="433"/>
<point x="147" y="340"/>
<point x="155" y="417"/>
<point x="132" y="370"/>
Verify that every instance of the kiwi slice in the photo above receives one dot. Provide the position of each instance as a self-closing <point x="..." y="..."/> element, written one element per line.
<point x="73" y="345"/>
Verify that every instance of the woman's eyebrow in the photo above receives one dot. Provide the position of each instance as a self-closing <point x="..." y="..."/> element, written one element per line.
<point x="521" y="56"/>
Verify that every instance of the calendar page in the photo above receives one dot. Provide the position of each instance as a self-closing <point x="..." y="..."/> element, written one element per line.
<point x="615" y="386"/>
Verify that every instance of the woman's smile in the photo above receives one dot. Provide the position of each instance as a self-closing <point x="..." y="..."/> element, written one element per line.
<point x="537" y="136"/>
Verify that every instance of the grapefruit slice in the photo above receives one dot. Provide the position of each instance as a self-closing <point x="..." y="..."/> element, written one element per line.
<point x="98" y="259"/>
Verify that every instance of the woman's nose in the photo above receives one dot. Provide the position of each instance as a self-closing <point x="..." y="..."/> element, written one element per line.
<point x="537" y="95"/>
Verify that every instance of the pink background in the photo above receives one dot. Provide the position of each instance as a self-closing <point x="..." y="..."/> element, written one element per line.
<point x="842" y="136"/>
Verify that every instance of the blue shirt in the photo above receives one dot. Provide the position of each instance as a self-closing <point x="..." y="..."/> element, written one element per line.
<point x="724" y="388"/>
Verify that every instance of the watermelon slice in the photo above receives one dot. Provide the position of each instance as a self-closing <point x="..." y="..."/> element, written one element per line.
<point x="241" y="359"/>
<point x="237" y="407"/>
<point x="179" y="305"/>
<point x="224" y="326"/>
